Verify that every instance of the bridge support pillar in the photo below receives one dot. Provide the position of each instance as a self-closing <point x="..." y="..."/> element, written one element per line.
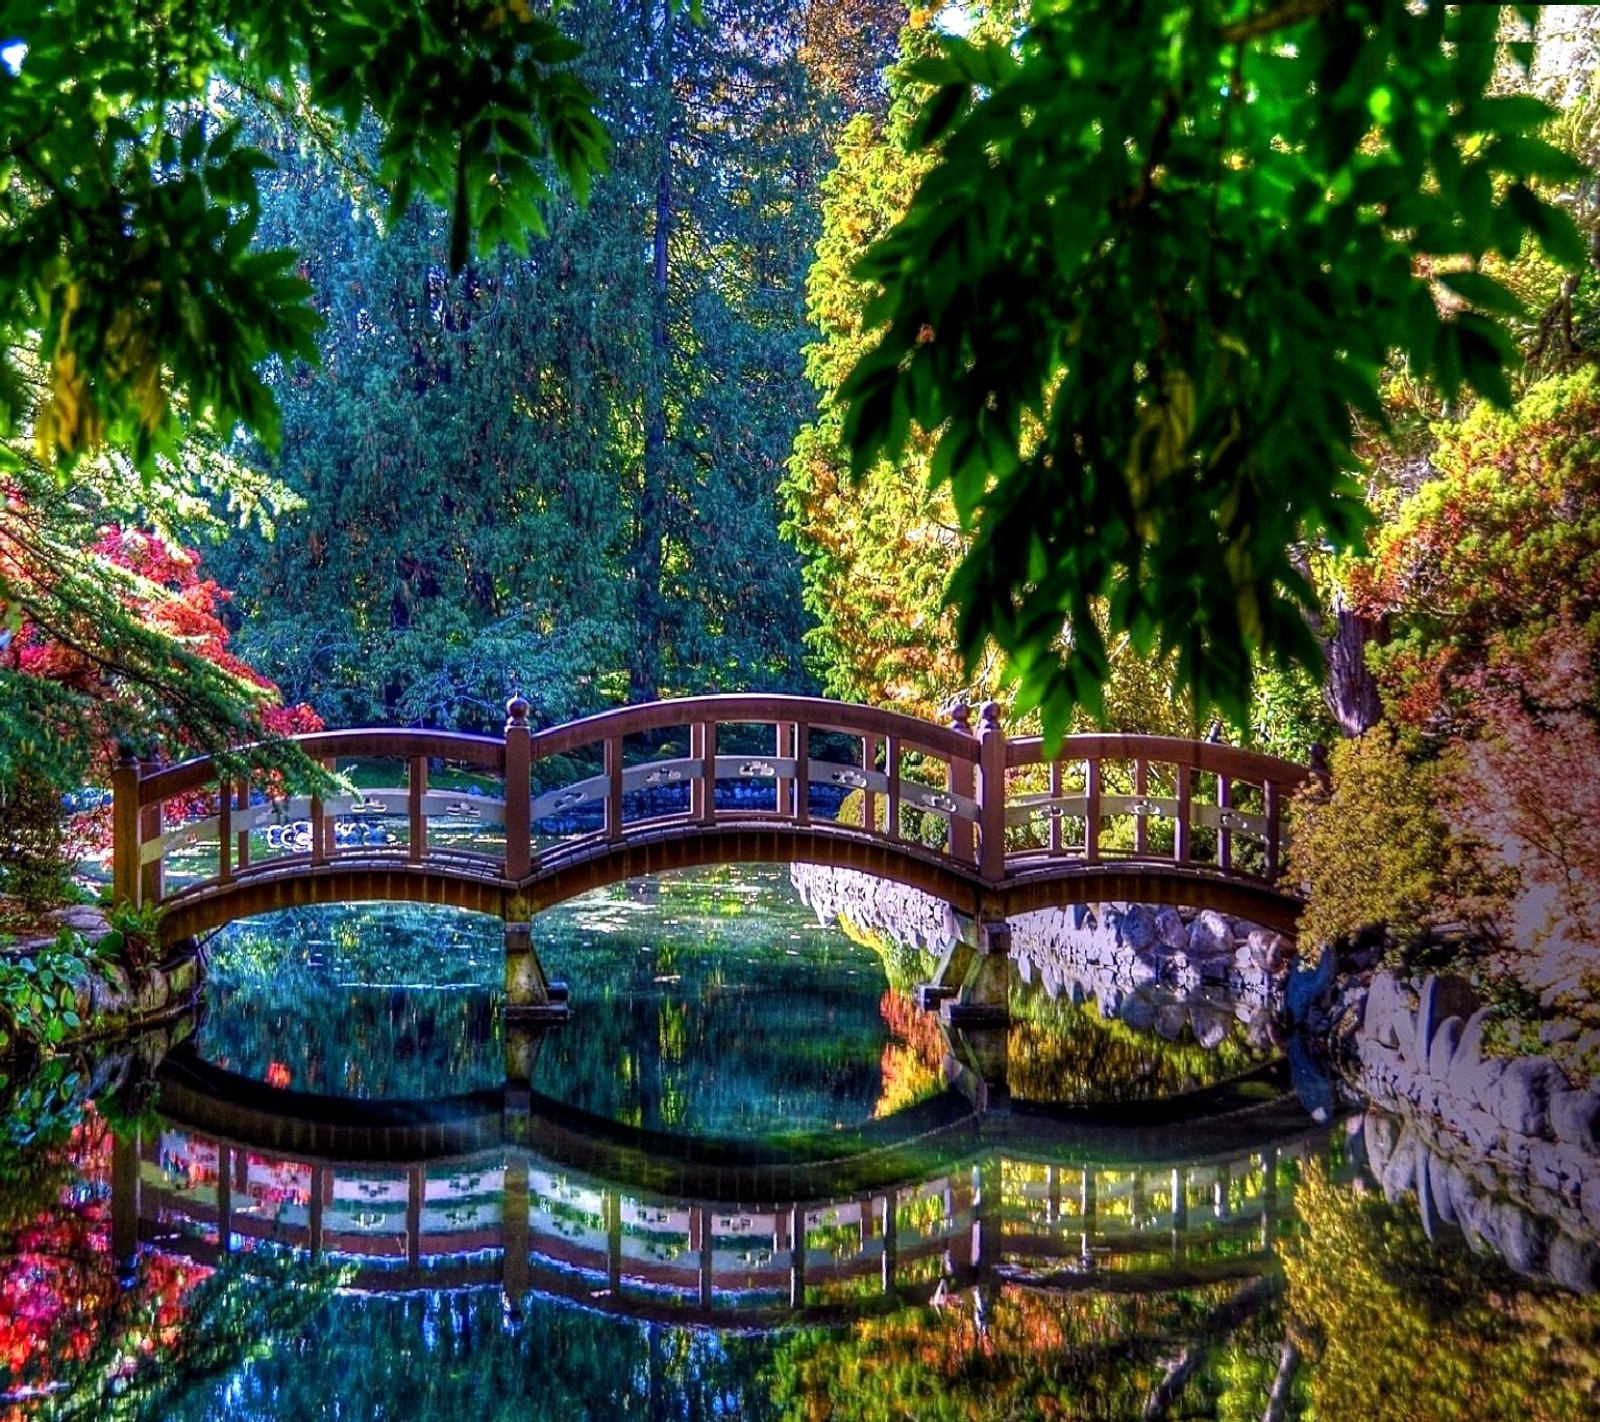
<point x="530" y="996"/>
<point x="984" y="999"/>
<point x="515" y="1234"/>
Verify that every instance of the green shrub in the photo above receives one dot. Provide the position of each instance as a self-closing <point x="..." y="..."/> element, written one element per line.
<point x="1373" y="853"/>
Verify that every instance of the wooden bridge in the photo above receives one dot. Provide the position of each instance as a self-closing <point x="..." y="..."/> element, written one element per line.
<point x="994" y="825"/>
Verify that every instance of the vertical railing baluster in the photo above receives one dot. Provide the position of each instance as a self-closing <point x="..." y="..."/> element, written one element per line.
<point x="613" y="770"/>
<point x="416" y="808"/>
<point x="1091" y="811"/>
<point x="1141" y="816"/>
<point x="961" y="780"/>
<point x="224" y="831"/>
<point x="802" y="773"/>
<point x="703" y="791"/>
<point x="1274" y="806"/>
<point x="321" y="827"/>
<point x="241" y="791"/>
<point x="869" y="798"/>
<point x="783" y="789"/>
<point x="1224" y="833"/>
<point x="1055" y="816"/>
<point x="1180" y="831"/>
<point x="891" y="765"/>
<point x="517" y="788"/>
<point x="328" y="822"/>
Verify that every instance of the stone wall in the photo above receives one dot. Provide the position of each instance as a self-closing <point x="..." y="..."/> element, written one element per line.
<point x="906" y="916"/>
<point x="1506" y="1147"/>
<point x="1160" y="969"/>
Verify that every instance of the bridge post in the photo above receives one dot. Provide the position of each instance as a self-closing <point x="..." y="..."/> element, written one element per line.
<point x="125" y="1202"/>
<point x="126" y="841"/>
<point x="151" y="876"/>
<point x="518" y="776"/>
<point x="960" y="782"/>
<point x="991" y="795"/>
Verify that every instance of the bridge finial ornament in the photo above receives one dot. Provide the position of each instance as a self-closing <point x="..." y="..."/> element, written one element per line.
<point x="990" y="716"/>
<point x="961" y="717"/>
<point x="517" y="711"/>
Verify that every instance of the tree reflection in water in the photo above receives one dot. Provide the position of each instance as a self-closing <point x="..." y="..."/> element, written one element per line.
<point x="78" y="1341"/>
<point x="1398" y="1325"/>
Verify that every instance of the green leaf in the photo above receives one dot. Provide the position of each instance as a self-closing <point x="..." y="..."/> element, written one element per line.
<point x="1485" y="293"/>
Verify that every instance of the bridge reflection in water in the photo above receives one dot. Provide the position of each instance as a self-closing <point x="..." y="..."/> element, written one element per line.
<point x="1030" y="1201"/>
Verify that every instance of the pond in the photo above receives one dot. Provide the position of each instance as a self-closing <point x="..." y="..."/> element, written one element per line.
<point x="748" y="1178"/>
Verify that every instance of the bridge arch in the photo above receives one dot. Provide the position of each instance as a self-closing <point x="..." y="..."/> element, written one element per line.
<point x="991" y="824"/>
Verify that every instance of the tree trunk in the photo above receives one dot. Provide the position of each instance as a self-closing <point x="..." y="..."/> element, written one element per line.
<point x="1350" y="691"/>
<point x="1283" y="1384"/>
<point x="644" y="673"/>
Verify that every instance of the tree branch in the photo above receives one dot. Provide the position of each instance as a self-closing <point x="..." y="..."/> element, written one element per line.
<point x="1290" y="13"/>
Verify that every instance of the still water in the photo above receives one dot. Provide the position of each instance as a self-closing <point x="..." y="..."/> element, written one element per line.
<point x="743" y="1181"/>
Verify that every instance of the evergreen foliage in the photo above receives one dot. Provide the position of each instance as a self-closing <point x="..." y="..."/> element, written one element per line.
<point x="556" y="473"/>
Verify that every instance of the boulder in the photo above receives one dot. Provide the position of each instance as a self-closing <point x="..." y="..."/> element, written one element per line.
<point x="1135" y="927"/>
<point x="1479" y="1083"/>
<point x="1469" y="1049"/>
<point x="1388" y="1020"/>
<point x="1171" y="1019"/>
<point x="1170" y="927"/>
<point x="1211" y="1024"/>
<point x="1210" y="935"/>
<point x="1441" y="1055"/>
<point x="1523" y="1104"/>
<point x="1589" y="1200"/>
<point x="1524" y="1239"/>
<point x="1379" y="1134"/>
<point x="1138" y="1012"/>
<point x="1271" y="951"/>
<point x="1575" y="1117"/>
<point x="1262" y="1030"/>
<point x="1400" y="1170"/>
<point x="1575" y="1264"/>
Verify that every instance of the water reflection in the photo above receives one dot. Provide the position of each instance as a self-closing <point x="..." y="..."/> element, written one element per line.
<point x="1041" y="1270"/>
<point x="739" y="1241"/>
<point x="713" y="1004"/>
<point x="1150" y="1227"/>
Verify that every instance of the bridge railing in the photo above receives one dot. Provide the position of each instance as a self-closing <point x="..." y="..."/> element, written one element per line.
<point x="1149" y="799"/>
<point x="992" y="807"/>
